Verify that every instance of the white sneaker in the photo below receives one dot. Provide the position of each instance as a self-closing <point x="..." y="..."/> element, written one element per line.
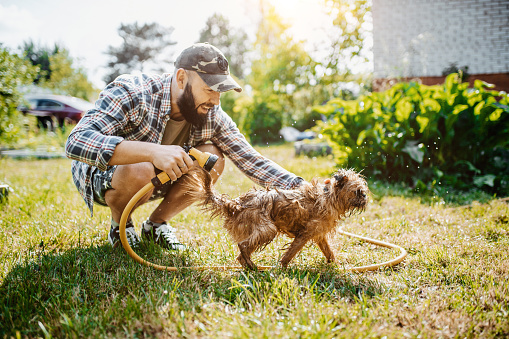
<point x="132" y="238"/>
<point x="163" y="235"/>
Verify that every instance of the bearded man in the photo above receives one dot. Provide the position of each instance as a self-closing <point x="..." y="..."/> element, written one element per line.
<point x="137" y="129"/>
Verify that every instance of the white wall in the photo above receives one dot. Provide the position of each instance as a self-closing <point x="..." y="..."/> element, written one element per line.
<point x="422" y="37"/>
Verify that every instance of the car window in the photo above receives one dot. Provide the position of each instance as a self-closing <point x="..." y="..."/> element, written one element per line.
<point x="42" y="104"/>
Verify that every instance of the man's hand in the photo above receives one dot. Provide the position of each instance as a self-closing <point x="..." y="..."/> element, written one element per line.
<point x="171" y="159"/>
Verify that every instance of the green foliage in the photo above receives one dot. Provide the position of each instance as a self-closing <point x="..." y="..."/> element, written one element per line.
<point x="286" y="79"/>
<point x="351" y="19"/>
<point x="58" y="73"/>
<point x="67" y="79"/>
<point x="263" y="123"/>
<point x="35" y="138"/>
<point x="14" y="72"/>
<point x="454" y="68"/>
<point x="40" y="56"/>
<point x="235" y="104"/>
<point x="348" y="49"/>
<point x="280" y="78"/>
<point x="419" y="134"/>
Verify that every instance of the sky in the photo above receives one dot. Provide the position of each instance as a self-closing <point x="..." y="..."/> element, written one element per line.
<point x="87" y="28"/>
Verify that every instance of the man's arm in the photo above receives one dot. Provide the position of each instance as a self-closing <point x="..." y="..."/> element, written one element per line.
<point x="258" y="168"/>
<point x="169" y="158"/>
<point x="99" y="139"/>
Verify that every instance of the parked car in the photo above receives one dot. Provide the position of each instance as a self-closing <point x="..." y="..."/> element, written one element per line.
<point x="291" y="134"/>
<point x="48" y="108"/>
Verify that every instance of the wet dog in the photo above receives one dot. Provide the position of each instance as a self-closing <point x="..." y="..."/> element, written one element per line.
<point x="307" y="213"/>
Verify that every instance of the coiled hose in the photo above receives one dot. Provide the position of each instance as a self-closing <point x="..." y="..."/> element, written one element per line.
<point x="162" y="178"/>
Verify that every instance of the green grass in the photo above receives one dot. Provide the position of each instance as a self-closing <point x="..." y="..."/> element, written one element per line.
<point x="60" y="278"/>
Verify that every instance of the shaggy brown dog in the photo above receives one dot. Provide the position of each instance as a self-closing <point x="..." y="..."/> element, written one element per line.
<point x="307" y="213"/>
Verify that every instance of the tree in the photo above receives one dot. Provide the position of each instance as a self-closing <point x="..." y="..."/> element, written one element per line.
<point x="57" y="71"/>
<point x="349" y="49"/>
<point x="67" y="79"/>
<point x="14" y="72"/>
<point x="281" y="76"/>
<point x="39" y="56"/>
<point x="142" y="44"/>
<point x="233" y="43"/>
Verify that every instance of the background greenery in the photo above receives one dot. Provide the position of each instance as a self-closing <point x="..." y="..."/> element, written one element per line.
<point x="282" y="77"/>
<point x="14" y="72"/>
<point x="424" y="135"/>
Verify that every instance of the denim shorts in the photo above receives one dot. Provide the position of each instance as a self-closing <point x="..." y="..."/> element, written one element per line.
<point x="101" y="182"/>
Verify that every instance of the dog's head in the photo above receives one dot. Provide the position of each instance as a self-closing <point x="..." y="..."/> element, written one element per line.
<point x="348" y="190"/>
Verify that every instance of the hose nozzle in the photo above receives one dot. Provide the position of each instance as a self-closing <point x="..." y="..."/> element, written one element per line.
<point x="205" y="159"/>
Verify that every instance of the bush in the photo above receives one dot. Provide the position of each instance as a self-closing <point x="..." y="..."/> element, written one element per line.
<point x="424" y="135"/>
<point x="14" y="72"/>
<point x="263" y="124"/>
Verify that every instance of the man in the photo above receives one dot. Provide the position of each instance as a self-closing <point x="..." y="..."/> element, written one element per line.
<point x="137" y="128"/>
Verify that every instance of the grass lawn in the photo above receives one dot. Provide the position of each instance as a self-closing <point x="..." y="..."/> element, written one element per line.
<point x="60" y="278"/>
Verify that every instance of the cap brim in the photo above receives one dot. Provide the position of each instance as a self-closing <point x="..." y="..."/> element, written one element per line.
<point x="220" y="82"/>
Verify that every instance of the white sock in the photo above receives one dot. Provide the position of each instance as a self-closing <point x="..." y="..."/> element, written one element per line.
<point x="150" y="224"/>
<point x="128" y="224"/>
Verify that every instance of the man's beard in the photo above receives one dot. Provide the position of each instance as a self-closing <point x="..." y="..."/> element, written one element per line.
<point x="187" y="108"/>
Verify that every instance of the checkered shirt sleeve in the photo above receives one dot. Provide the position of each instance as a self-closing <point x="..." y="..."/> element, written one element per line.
<point x="118" y="115"/>
<point x="223" y="132"/>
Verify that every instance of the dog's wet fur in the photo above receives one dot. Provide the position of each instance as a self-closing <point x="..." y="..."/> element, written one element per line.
<point x="307" y="213"/>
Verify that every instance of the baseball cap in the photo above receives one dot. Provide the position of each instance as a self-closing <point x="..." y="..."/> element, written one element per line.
<point x="210" y="64"/>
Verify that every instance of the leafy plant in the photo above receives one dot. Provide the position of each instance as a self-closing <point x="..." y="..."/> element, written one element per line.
<point x="443" y="134"/>
<point x="14" y="72"/>
<point x="263" y="124"/>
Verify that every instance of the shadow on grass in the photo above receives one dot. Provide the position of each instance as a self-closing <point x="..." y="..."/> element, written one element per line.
<point x="93" y="290"/>
<point x="329" y="284"/>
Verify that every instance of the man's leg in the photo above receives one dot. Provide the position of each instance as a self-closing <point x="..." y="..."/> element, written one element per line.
<point x="155" y="228"/>
<point x="127" y="180"/>
<point x="176" y="199"/>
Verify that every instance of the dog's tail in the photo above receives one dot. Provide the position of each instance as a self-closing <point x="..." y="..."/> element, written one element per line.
<point x="218" y="204"/>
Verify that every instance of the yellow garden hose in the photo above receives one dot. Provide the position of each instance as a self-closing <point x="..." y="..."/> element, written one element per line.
<point x="395" y="261"/>
<point x="163" y="177"/>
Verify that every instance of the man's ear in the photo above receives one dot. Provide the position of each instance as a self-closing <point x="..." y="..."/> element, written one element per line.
<point x="182" y="78"/>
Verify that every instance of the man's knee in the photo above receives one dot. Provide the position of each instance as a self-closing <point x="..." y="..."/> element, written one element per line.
<point x="132" y="177"/>
<point x="218" y="168"/>
<point x="126" y="181"/>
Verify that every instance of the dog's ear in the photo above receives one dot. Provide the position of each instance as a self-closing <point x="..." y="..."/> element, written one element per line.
<point x="340" y="180"/>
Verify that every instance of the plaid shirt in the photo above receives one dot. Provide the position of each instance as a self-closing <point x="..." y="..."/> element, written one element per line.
<point x="138" y="108"/>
